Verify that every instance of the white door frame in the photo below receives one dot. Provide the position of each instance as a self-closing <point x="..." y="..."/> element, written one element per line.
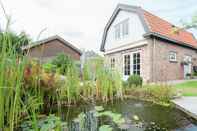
<point x="125" y="77"/>
<point x="187" y="68"/>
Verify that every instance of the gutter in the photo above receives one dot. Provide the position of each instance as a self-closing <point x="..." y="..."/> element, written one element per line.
<point x="153" y="59"/>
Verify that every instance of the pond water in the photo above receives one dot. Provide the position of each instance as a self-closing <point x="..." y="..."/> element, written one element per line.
<point x="164" y="117"/>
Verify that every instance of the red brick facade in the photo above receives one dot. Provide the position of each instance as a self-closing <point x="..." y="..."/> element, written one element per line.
<point x="162" y="68"/>
<point x="50" y="49"/>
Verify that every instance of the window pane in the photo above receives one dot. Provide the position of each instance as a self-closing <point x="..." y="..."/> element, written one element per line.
<point x="125" y="28"/>
<point x="138" y="67"/>
<point x="138" y="60"/>
<point x="117" y="32"/>
<point x="138" y="55"/>
<point x="136" y="63"/>
<point x="134" y="67"/>
<point x="134" y="55"/>
<point x="127" y="65"/>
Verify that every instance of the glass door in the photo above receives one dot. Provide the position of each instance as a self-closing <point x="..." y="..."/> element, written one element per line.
<point x="136" y="63"/>
<point x="131" y="64"/>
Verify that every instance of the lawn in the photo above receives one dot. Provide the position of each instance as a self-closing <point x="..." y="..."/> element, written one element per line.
<point x="188" y="88"/>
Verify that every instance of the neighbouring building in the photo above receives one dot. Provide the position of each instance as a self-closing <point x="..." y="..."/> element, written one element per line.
<point x="47" y="49"/>
<point x="88" y="55"/>
<point x="138" y="42"/>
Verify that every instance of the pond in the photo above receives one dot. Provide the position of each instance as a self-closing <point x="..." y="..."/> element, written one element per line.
<point x="167" y="118"/>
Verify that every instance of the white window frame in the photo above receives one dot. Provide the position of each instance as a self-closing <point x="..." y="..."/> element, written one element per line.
<point x="131" y="63"/>
<point x="121" y="29"/>
<point x="117" y="32"/>
<point x="188" y="58"/>
<point x="125" y="28"/>
<point x="175" y="56"/>
<point x="137" y="63"/>
<point x="124" y="64"/>
<point x="112" y="63"/>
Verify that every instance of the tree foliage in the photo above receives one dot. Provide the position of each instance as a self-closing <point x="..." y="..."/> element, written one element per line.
<point x="16" y="41"/>
<point x="62" y="62"/>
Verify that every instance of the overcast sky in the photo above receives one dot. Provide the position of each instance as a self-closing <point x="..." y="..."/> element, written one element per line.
<point x="82" y="22"/>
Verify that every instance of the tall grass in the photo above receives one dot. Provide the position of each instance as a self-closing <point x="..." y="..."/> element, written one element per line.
<point x="25" y="88"/>
<point x="108" y="82"/>
<point x="11" y="81"/>
<point x="16" y="103"/>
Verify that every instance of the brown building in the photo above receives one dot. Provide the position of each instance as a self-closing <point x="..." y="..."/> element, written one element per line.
<point x="138" y="42"/>
<point x="47" y="49"/>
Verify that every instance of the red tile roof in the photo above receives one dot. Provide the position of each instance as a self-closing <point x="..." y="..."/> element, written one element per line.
<point x="164" y="28"/>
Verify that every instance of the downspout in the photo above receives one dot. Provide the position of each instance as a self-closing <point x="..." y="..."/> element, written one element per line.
<point x="153" y="60"/>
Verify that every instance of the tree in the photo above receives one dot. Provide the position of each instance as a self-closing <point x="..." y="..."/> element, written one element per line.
<point x="16" y="41"/>
<point x="62" y="62"/>
<point x="187" y="25"/>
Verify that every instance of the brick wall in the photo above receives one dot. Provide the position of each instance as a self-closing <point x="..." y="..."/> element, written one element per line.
<point x="163" y="69"/>
<point x="155" y="64"/>
<point x="51" y="49"/>
<point x="145" y="60"/>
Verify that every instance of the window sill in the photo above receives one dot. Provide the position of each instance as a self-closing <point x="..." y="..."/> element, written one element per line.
<point x="173" y="61"/>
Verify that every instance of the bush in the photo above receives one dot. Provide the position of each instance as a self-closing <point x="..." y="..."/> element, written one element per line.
<point x="160" y="94"/>
<point x="48" y="67"/>
<point x="62" y="62"/>
<point x="194" y="74"/>
<point x="134" y="80"/>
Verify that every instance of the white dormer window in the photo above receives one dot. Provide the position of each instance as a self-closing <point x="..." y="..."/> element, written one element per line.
<point x="117" y="32"/>
<point x="122" y="29"/>
<point x="125" y="28"/>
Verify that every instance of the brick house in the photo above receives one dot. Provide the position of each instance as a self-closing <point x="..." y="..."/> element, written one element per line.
<point x="47" y="49"/>
<point x="138" y="42"/>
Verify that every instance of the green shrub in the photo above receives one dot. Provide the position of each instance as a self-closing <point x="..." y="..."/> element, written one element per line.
<point x="134" y="80"/>
<point x="62" y="62"/>
<point x="195" y="74"/>
<point x="161" y="94"/>
<point x="49" y="67"/>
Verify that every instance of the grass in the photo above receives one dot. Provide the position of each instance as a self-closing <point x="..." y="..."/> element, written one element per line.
<point x="187" y="88"/>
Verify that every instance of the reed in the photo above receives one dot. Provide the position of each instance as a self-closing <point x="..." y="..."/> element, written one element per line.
<point x="11" y="80"/>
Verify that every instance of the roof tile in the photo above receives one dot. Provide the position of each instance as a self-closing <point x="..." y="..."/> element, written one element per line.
<point x="165" y="28"/>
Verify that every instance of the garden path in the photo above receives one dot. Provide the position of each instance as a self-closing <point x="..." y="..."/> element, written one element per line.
<point x="187" y="105"/>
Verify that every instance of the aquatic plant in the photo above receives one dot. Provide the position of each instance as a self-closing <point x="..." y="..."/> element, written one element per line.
<point x="47" y="123"/>
<point x="11" y="80"/>
<point x="160" y="94"/>
<point x="89" y="121"/>
<point x="85" y="122"/>
<point x="71" y="88"/>
<point x="108" y="84"/>
<point x="152" y="126"/>
<point x="86" y="72"/>
<point x="105" y="128"/>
